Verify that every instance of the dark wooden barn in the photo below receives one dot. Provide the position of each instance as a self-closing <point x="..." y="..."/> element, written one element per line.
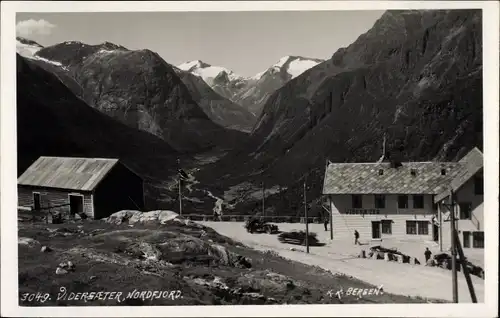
<point x="93" y="186"/>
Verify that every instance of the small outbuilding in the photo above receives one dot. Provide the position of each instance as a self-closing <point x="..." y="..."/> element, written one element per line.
<point x="96" y="187"/>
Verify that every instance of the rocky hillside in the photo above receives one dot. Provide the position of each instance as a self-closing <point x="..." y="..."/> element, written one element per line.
<point x="252" y="92"/>
<point x="414" y="77"/>
<point x="180" y="263"/>
<point x="141" y="90"/>
<point x="52" y="121"/>
<point x="219" y="109"/>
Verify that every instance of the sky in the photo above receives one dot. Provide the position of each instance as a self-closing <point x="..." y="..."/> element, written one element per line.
<point x="244" y="42"/>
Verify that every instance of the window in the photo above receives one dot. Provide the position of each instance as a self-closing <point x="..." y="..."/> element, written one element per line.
<point x="386" y="226"/>
<point x="423" y="227"/>
<point x="465" y="210"/>
<point x="478" y="186"/>
<point x="413" y="172"/>
<point x="379" y="201"/>
<point x="466" y="239"/>
<point x="417" y="227"/>
<point x="411" y="227"/>
<point x="443" y="172"/>
<point x="418" y="201"/>
<point x="357" y="201"/>
<point x="478" y="239"/>
<point x="402" y="201"/>
<point x="381" y="172"/>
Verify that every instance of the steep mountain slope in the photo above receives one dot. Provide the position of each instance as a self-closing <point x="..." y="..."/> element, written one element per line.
<point x="250" y="92"/>
<point x="415" y="77"/>
<point x="141" y="90"/>
<point x="52" y="121"/>
<point x="219" y="109"/>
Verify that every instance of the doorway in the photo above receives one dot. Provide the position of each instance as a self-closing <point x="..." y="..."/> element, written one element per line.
<point x="75" y="204"/>
<point x="375" y="229"/>
<point x="37" y="205"/>
<point x="435" y="233"/>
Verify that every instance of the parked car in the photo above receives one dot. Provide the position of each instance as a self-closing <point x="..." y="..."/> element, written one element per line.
<point x="255" y="225"/>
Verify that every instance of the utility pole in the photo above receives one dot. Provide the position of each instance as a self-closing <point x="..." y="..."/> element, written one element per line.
<point x="180" y="186"/>
<point x="453" y="248"/>
<point x="329" y="204"/>
<point x="307" y="220"/>
<point x="263" y="201"/>
<point x="440" y="217"/>
<point x="331" y="216"/>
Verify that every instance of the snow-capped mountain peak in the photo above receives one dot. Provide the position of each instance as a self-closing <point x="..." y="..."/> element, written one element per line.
<point x="250" y="92"/>
<point x="28" y="49"/>
<point x="295" y="65"/>
<point x="206" y="71"/>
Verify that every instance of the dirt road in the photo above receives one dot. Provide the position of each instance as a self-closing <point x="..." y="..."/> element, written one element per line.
<point x="339" y="256"/>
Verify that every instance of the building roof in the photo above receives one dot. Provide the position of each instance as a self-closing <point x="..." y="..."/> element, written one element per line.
<point x="67" y="173"/>
<point x="364" y="178"/>
<point x="471" y="164"/>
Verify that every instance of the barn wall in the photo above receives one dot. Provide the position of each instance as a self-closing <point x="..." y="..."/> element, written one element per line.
<point x="53" y="197"/>
<point x="121" y="189"/>
<point x="345" y="224"/>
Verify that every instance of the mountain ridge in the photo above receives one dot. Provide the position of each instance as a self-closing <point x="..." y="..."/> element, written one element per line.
<point x="250" y="92"/>
<point x="418" y="88"/>
<point x="142" y="90"/>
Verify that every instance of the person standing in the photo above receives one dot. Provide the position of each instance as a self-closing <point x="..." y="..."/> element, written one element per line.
<point x="356" y="237"/>
<point x="427" y="254"/>
<point x="325" y="223"/>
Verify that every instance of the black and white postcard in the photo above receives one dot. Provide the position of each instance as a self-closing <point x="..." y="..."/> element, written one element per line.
<point x="249" y="158"/>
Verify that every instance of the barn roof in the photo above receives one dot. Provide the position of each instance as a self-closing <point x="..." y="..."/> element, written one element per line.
<point x="364" y="178"/>
<point x="67" y="172"/>
<point x="471" y="164"/>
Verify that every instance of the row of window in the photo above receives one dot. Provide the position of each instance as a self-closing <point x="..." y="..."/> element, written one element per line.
<point x="477" y="239"/>
<point x="417" y="227"/>
<point x="412" y="227"/>
<point x="418" y="201"/>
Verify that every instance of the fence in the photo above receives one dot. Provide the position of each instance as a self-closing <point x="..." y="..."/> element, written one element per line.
<point x="244" y="218"/>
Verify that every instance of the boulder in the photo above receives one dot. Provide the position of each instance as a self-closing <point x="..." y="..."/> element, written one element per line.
<point x="431" y="262"/>
<point x="45" y="249"/>
<point x="165" y="216"/>
<point x="388" y="257"/>
<point x="121" y="216"/>
<point x="61" y="271"/>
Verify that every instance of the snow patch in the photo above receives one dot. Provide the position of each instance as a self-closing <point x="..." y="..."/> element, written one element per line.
<point x="282" y="61"/>
<point x="258" y="76"/>
<point x="207" y="72"/>
<point x="26" y="50"/>
<point x="102" y="51"/>
<point x="297" y="67"/>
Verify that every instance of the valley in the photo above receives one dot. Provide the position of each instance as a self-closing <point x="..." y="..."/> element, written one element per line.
<point x="210" y="149"/>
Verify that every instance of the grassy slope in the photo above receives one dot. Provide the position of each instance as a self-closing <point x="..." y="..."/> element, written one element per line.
<point x="276" y="279"/>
